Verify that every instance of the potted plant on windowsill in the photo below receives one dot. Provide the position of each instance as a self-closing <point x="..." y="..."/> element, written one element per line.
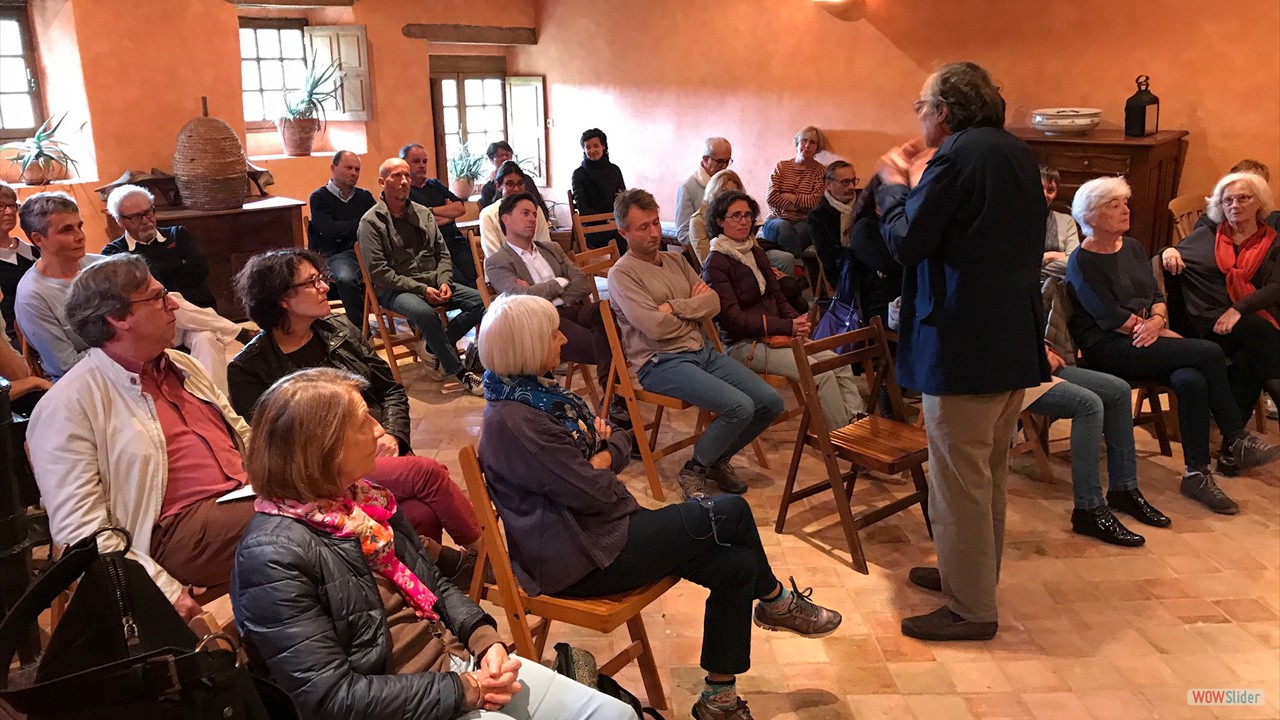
<point x="304" y="109"/>
<point x="464" y="170"/>
<point x="40" y="159"/>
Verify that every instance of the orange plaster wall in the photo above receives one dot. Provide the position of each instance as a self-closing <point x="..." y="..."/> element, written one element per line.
<point x="660" y="76"/>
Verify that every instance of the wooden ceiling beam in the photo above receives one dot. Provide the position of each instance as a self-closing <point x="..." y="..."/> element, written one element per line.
<point x="472" y="34"/>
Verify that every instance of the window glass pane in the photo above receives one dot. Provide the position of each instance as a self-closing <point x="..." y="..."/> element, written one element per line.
<point x="272" y="105"/>
<point x="253" y="106"/>
<point x="494" y="136"/>
<point x="475" y="119"/>
<point x="473" y="91"/>
<point x="10" y="38"/>
<point x="451" y="120"/>
<point x="272" y="75"/>
<point x="248" y="44"/>
<point x="451" y="145"/>
<point x="294" y="71"/>
<point x="16" y="111"/>
<point x="492" y="92"/>
<point x="493" y="117"/>
<point x="13" y="75"/>
<point x="448" y="92"/>
<point x="268" y="43"/>
<point x="249" y="75"/>
<point x="291" y="44"/>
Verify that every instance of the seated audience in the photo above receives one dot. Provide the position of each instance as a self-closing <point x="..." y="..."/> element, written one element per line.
<point x="369" y="628"/>
<point x="832" y="219"/>
<point x="172" y="253"/>
<point x="511" y="181"/>
<point x="138" y="435"/>
<point x="795" y="187"/>
<point x="1119" y="323"/>
<point x="877" y="276"/>
<point x="445" y="207"/>
<point x="523" y="266"/>
<point x="783" y="261"/>
<point x="52" y="222"/>
<point x="336" y="210"/>
<point x="661" y="306"/>
<point x="1272" y="219"/>
<point x="409" y="267"/>
<point x="575" y="530"/>
<point x="717" y="155"/>
<point x="1061" y="237"/>
<point x="752" y="307"/>
<point x="1100" y="406"/>
<point x="1229" y="276"/>
<point x="284" y="292"/>
<point x="596" y="183"/>
<point x="16" y="258"/>
<point x="499" y="153"/>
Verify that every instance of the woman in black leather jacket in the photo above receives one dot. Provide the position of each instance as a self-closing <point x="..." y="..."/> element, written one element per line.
<point x="334" y="597"/>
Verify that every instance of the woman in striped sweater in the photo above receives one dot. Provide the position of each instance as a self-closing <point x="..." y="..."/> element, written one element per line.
<point x="795" y="187"/>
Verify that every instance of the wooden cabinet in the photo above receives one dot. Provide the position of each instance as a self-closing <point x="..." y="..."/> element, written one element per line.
<point x="1152" y="165"/>
<point x="230" y="237"/>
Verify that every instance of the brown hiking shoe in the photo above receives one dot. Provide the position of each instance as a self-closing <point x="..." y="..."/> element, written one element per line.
<point x="800" y="616"/>
<point x="726" y="478"/>
<point x="703" y="711"/>
<point x="692" y="482"/>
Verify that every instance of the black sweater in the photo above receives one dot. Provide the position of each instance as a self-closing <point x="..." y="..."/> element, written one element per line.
<point x="595" y="184"/>
<point x="334" y="222"/>
<point x="176" y="260"/>
<point x="1105" y="289"/>
<point x="10" y="274"/>
<point x="1204" y="287"/>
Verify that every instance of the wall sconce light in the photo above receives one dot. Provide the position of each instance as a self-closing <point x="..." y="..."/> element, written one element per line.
<point x="846" y="10"/>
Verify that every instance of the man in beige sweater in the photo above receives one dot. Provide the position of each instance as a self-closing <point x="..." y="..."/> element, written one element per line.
<point x="661" y="304"/>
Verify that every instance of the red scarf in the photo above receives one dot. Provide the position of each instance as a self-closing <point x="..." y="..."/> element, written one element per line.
<point x="1240" y="263"/>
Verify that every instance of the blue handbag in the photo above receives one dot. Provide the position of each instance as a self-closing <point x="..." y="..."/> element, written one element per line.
<point x="840" y="313"/>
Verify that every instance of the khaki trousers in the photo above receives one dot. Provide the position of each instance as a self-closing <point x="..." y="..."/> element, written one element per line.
<point x="968" y="463"/>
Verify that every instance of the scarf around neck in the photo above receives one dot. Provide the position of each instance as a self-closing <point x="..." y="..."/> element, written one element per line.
<point x="571" y="411"/>
<point x="364" y="514"/>
<point x="846" y="217"/>
<point x="740" y="251"/>
<point x="1240" y="263"/>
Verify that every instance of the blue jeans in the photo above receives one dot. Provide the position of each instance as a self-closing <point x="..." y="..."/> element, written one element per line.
<point x="345" y="270"/>
<point x="783" y="260"/>
<point x="440" y="339"/>
<point x="791" y="236"/>
<point x="744" y="405"/>
<point x="1099" y="407"/>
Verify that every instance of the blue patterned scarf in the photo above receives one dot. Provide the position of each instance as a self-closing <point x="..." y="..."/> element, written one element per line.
<point x="568" y="409"/>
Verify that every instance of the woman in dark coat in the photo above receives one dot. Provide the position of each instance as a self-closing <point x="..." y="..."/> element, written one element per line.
<point x="596" y="182"/>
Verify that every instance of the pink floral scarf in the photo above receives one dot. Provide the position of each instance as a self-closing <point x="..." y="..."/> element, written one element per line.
<point x="364" y="515"/>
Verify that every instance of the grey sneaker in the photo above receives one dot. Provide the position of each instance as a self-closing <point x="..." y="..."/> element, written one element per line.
<point x="724" y="476"/>
<point x="472" y="384"/>
<point x="801" y="616"/>
<point x="1200" y="486"/>
<point x="703" y="711"/>
<point x="692" y="481"/>
<point x="1249" y="452"/>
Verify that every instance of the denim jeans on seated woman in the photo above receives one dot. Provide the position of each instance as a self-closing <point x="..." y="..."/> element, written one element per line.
<point x="792" y="236"/>
<point x="1098" y="406"/>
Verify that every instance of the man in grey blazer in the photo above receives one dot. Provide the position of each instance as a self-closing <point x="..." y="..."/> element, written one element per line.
<point x="525" y="267"/>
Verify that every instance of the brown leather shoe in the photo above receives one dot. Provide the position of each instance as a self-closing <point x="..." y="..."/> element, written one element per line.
<point x="703" y="711"/>
<point x="926" y="577"/>
<point x="942" y="624"/>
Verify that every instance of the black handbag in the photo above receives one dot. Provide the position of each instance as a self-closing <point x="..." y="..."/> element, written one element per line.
<point x="122" y="651"/>
<point x="579" y="665"/>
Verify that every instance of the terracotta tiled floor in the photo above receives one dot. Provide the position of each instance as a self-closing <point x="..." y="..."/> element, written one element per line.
<point x="1087" y="630"/>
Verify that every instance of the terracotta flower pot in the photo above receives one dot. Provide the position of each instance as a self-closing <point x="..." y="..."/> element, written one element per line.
<point x="41" y="172"/>
<point x="463" y="187"/>
<point x="298" y="135"/>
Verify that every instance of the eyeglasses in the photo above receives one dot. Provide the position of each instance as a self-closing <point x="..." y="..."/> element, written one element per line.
<point x="314" y="282"/>
<point x="739" y="216"/>
<point x="1229" y="200"/>
<point x="513" y="185"/>
<point x="721" y="163"/>
<point x="11" y="207"/>
<point x="164" y="293"/>
<point x="848" y="182"/>
<point x="135" y="217"/>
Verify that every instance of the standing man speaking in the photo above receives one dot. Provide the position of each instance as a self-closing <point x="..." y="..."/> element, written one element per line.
<point x="970" y="235"/>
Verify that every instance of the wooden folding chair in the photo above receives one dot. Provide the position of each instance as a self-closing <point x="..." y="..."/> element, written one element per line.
<point x="602" y="614"/>
<point x="1186" y="211"/>
<point x="886" y="445"/>
<point x="395" y="345"/>
<point x="487" y="293"/>
<point x="1034" y="432"/>
<point x="28" y="353"/>
<point x="584" y="225"/>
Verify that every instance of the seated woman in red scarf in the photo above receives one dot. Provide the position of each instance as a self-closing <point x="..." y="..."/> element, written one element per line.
<point x="1229" y="275"/>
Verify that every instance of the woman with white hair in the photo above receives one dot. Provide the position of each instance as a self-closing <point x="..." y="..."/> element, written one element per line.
<point x="575" y="530"/>
<point x="795" y="188"/>
<point x="171" y="252"/>
<point x="1229" y="275"/>
<point x="1120" y="324"/>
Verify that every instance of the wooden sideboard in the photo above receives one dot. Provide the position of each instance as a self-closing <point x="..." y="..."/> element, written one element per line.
<point x="1152" y="165"/>
<point x="230" y="237"/>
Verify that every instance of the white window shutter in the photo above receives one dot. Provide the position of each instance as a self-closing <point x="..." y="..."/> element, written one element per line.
<point x="527" y="123"/>
<point x="347" y="44"/>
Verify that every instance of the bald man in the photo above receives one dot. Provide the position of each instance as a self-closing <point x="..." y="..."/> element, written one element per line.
<point x="409" y="266"/>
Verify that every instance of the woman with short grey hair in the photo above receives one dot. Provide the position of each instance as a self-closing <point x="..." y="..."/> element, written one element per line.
<point x="16" y="257"/>
<point x="795" y="188"/>
<point x="1120" y="323"/>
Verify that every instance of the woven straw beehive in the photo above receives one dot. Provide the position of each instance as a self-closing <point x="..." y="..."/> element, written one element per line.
<point x="209" y="164"/>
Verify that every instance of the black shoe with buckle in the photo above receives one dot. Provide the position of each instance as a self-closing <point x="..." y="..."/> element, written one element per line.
<point x="1133" y="503"/>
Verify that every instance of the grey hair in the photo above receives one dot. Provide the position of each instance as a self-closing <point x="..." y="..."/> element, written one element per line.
<point x="1256" y="184"/>
<point x="969" y="94"/>
<point x="35" y="211"/>
<point x="709" y="145"/>
<point x="104" y="290"/>
<point x="515" y="333"/>
<point x="7" y="191"/>
<point x="810" y="131"/>
<point x="1093" y="195"/>
<point x="122" y="193"/>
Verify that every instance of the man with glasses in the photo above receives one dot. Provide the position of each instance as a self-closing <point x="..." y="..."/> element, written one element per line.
<point x="511" y="181"/>
<point x="137" y="435"/>
<point x="717" y="155"/>
<point x="171" y="252"/>
<point x="53" y="224"/>
<point x="832" y="219"/>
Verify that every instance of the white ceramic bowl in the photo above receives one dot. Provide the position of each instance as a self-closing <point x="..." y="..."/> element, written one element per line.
<point x="1065" y="120"/>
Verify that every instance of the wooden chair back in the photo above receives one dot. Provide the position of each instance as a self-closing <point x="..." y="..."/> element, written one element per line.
<point x="584" y="225"/>
<point x="487" y="293"/>
<point x="602" y="614"/>
<point x="395" y="345"/>
<point x="28" y="353"/>
<point x="1186" y="211"/>
<point x="595" y="263"/>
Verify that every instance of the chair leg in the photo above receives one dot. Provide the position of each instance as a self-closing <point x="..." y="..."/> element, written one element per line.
<point x="792" y="471"/>
<point x="1162" y="429"/>
<point x="648" y="667"/>
<point x="761" y="460"/>
<point x="657" y="428"/>
<point x="846" y="518"/>
<point x="922" y="487"/>
<point x="646" y="448"/>
<point x="540" y="639"/>
<point x="1260" y="416"/>
<point x="1035" y="433"/>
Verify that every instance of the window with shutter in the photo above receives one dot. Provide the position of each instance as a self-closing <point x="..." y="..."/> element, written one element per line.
<point x="527" y="125"/>
<point x="345" y="43"/>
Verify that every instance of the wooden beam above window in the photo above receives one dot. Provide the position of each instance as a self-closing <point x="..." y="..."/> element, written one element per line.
<point x="472" y="34"/>
<point x="293" y="3"/>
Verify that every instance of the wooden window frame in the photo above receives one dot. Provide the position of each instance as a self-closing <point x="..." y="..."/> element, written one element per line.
<point x="437" y="110"/>
<point x="247" y="23"/>
<point x="19" y="12"/>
